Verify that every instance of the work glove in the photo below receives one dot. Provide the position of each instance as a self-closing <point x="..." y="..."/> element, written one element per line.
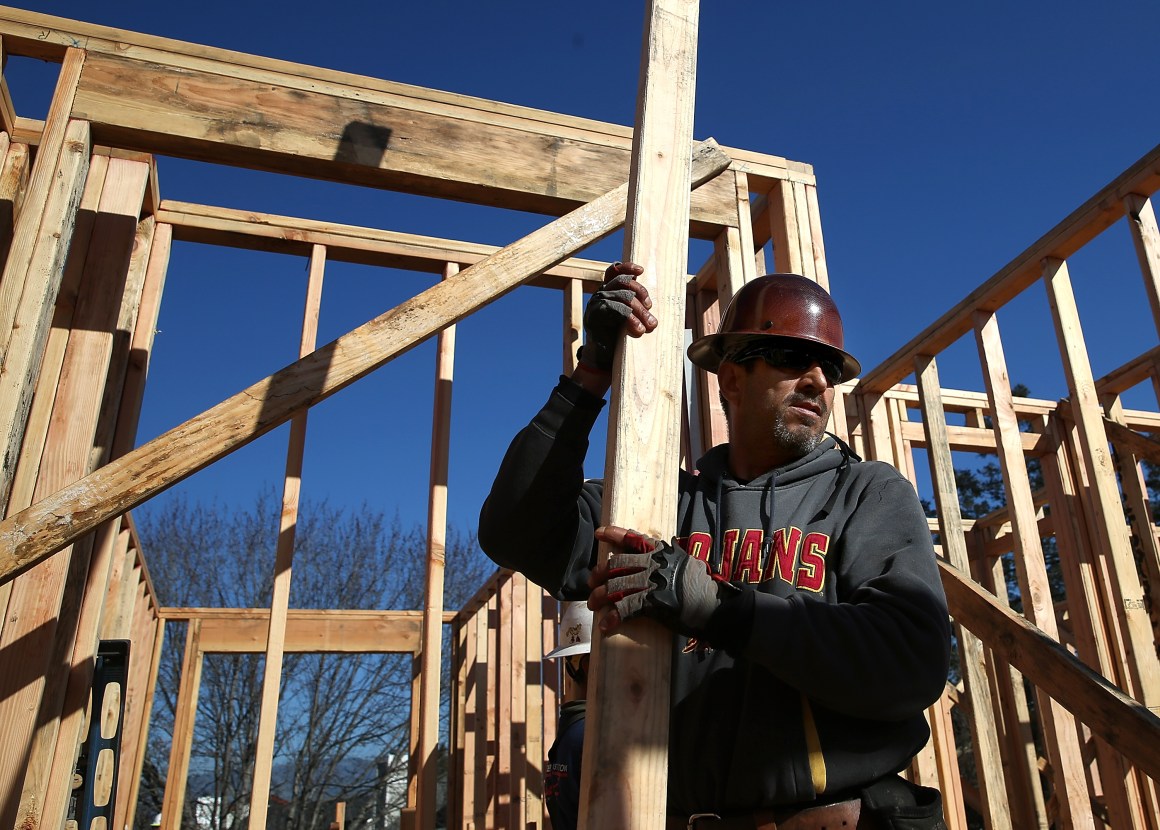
<point x="620" y="306"/>
<point x="660" y="580"/>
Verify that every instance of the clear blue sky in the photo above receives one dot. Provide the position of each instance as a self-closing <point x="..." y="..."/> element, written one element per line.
<point x="945" y="141"/>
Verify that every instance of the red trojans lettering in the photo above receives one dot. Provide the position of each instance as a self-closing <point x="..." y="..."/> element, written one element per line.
<point x="792" y="556"/>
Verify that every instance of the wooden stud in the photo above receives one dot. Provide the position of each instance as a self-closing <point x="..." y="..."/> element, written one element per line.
<point x="707" y="319"/>
<point x="1012" y="717"/>
<point x="626" y="727"/>
<point x="35" y="532"/>
<point x="1060" y="731"/>
<point x="185" y="715"/>
<point x="1086" y="618"/>
<point x="284" y="562"/>
<point x="482" y="809"/>
<point x="145" y="686"/>
<point x="535" y="749"/>
<point x="1146" y="238"/>
<point x="13" y="182"/>
<point x="432" y="653"/>
<point x="1124" y="722"/>
<point x="517" y="723"/>
<point x="35" y="265"/>
<point x="1145" y="545"/>
<point x="1111" y="532"/>
<point x="984" y="738"/>
<point x="45" y="606"/>
<point x="785" y="231"/>
<point x="573" y="323"/>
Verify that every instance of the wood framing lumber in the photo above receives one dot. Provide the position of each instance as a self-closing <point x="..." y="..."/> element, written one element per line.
<point x="1137" y="370"/>
<point x="1146" y="238"/>
<point x="245" y="630"/>
<point x="1094" y="216"/>
<point x="284" y="560"/>
<point x="47" y="37"/>
<point x="535" y="750"/>
<point x="975" y="439"/>
<point x="431" y="654"/>
<point x="47" y="605"/>
<point x="54" y="753"/>
<point x="353" y="138"/>
<point x="13" y="182"/>
<point x="1145" y="446"/>
<point x="1111" y="532"/>
<point x="43" y="528"/>
<point x="1061" y="736"/>
<point x="1123" y="722"/>
<point x="626" y="730"/>
<point x="988" y="761"/>
<point x="346" y="243"/>
<point x="129" y="776"/>
<point x="184" y="720"/>
<point x="31" y="281"/>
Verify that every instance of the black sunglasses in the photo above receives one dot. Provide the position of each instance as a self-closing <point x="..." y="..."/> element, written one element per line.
<point x="797" y="359"/>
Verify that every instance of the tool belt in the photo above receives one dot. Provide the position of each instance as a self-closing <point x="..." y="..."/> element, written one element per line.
<point x="842" y="815"/>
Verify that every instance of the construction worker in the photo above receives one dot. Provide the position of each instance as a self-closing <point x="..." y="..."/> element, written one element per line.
<point x="802" y="581"/>
<point x="562" y="774"/>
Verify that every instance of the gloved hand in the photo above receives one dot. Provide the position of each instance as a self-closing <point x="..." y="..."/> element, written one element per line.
<point x="654" y="579"/>
<point x="620" y="306"/>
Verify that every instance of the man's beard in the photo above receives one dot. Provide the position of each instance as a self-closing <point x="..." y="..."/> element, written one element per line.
<point x="800" y="440"/>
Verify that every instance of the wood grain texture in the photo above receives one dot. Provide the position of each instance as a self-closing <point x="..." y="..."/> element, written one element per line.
<point x="38" y="531"/>
<point x="356" y="138"/>
<point x="1121" y="721"/>
<point x="626" y="731"/>
<point x="989" y="762"/>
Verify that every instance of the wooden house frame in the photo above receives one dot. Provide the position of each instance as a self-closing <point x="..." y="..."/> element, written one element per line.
<point x="86" y="238"/>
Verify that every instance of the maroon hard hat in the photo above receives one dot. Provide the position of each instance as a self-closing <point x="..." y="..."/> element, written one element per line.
<point x="785" y="306"/>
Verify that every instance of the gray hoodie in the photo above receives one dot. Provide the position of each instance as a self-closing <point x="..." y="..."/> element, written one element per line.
<point x="808" y="683"/>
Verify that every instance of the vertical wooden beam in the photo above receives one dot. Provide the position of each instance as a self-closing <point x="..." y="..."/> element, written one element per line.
<point x="45" y="605"/>
<point x="942" y="732"/>
<point x="821" y="270"/>
<point x="40" y="413"/>
<point x="503" y="705"/>
<point x="485" y="715"/>
<point x="1060" y="732"/>
<point x="490" y="803"/>
<point x="141" y="345"/>
<point x="431" y="654"/>
<point x="517" y="724"/>
<point x="464" y="780"/>
<point x="1146" y="237"/>
<point x="35" y="264"/>
<point x="13" y="183"/>
<point x="284" y="560"/>
<point x="1013" y="719"/>
<point x="784" y="230"/>
<point x="1139" y="646"/>
<point x="984" y="738"/>
<point x="573" y="322"/>
<point x="874" y="415"/>
<point x="129" y="782"/>
<point x="706" y="320"/>
<point x="534" y="708"/>
<point x="626" y="733"/>
<point x="1084" y="609"/>
<point x="455" y="732"/>
<point x="184" y="718"/>
<point x="550" y="672"/>
<point x="1145" y="545"/>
